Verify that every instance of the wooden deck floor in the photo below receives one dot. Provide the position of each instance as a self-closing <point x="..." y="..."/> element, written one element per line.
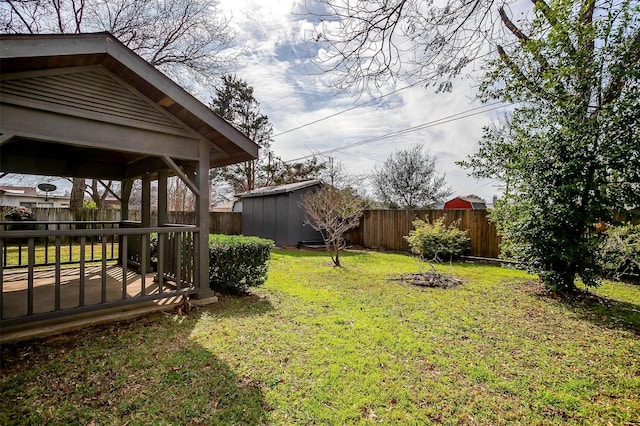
<point x="15" y="300"/>
<point x="15" y="291"/>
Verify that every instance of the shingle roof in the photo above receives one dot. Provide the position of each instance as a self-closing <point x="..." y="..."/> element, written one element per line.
<point x="280" y="189"/>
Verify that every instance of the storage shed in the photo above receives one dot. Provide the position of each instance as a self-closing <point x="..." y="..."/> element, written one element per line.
<point x="274" y="212"/>
<point x="465" y="203"/>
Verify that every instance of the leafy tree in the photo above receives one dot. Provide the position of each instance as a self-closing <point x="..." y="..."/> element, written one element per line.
<point x="332" y="212"/>
<point x="570" y="154"/>
<point x="234" y="101"/>
<point x="182" y="38"/>
<point x="619" y="253"/>
<point x="408" y="179"/>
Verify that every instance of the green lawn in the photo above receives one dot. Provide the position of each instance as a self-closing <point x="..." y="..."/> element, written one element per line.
<point x="19" y="255"/>
<point x="319" y="345"/>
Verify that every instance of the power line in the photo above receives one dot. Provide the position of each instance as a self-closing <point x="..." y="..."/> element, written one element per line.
<point x="443" y="120"/>
<point x="367" y="102"/>
<point x="350" y="109"/>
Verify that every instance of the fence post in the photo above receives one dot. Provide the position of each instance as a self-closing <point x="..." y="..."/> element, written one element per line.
<point x="385" y="229"/>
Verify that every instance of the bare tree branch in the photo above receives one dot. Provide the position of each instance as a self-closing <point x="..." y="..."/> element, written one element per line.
<point x="380" y="40"/>
<point x="332" y="212"/>
<point x="18" y="12"/>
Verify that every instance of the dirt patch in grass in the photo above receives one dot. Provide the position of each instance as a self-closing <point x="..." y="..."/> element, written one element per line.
<point x="429" y="279"/>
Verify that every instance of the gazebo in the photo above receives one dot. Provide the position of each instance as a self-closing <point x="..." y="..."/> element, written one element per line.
<point x="84" y="105"/>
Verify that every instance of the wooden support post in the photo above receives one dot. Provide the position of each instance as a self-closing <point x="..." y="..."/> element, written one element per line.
<point x="144" y="258"/>
<point x="163" y="216"/>
<point x="125" y="195"/>
<point x="31" y="261"/>
<point x="202" y="220"/>
<point x="146" y="201"/>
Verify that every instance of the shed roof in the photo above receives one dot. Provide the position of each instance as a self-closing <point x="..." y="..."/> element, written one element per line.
<point x="92" y="80"/>
<point x="474" y="203"/>
<point x="280" y="189"/>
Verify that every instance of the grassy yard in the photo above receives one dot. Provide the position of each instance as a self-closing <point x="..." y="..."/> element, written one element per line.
<point x="19" y="255"/>
<point x="319" y="345"/>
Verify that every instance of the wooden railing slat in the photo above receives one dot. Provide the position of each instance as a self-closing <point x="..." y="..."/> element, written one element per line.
<point x="83" y="241"/>
<point x="57" y="273"/>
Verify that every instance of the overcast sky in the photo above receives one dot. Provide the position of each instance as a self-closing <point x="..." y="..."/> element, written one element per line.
<point x="292" y="93"/>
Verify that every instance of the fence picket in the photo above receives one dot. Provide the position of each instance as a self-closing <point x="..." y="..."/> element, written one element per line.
<point x="229" y="223"/>
<point x="385" y="229"/>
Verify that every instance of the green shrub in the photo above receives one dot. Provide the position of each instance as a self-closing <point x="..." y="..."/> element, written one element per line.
<point x="89" y="204"/>
<point x="237" y="262"/>
<point x="619" y="253"/>
<point x="153" y="246"/>
<point x="437" y="241"/>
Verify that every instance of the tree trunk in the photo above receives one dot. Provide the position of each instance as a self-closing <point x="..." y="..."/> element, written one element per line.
<point x="77" y="194"/>
<point x="96" y="196"/>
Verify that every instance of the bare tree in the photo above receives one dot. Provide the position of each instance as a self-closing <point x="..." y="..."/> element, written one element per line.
<point x="381" y="40"/>
<point x="335" y="174"/>
<point x="96" y="189"/>
<point x="332" y="212"/>
<point x="183" y="38"/>
<point x="179" y="196"/>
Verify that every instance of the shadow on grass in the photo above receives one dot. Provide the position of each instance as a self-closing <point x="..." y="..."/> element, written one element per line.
<point x="239" y="305"/>
<point x="145" y="371"/>
<point x="321" y="252"/>
<point x="602" y="311"/>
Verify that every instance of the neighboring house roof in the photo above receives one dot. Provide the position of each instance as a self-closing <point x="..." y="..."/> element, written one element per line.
<point x="111" y="202"/>
<point x="118" y="110"/>
<point x="30" y="190"/>
<point x="477" y="203"/>
<point x="471" y="202"/>
<point x="12" y="197"/>
<point x="222" y="207"/>
<point x="280" y="189"/>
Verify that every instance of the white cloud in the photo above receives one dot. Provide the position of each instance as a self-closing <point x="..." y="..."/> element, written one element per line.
<point x="277" y="66"/>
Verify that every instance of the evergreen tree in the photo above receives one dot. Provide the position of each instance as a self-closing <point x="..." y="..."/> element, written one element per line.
<point x="234" y="101"/>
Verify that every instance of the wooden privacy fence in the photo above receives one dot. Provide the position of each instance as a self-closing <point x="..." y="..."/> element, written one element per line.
<point x="385" y="229"/>
<point x="229" y="223"/>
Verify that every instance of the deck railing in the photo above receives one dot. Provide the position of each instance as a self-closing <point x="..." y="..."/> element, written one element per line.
<point x="15" y="249"/>
<point x="57" y="268"/>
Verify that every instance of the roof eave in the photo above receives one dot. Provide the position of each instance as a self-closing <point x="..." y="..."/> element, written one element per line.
<point x="104" y="49"/>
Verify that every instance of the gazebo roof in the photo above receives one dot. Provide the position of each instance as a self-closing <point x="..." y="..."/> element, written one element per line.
<point x="85" y="105"/>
